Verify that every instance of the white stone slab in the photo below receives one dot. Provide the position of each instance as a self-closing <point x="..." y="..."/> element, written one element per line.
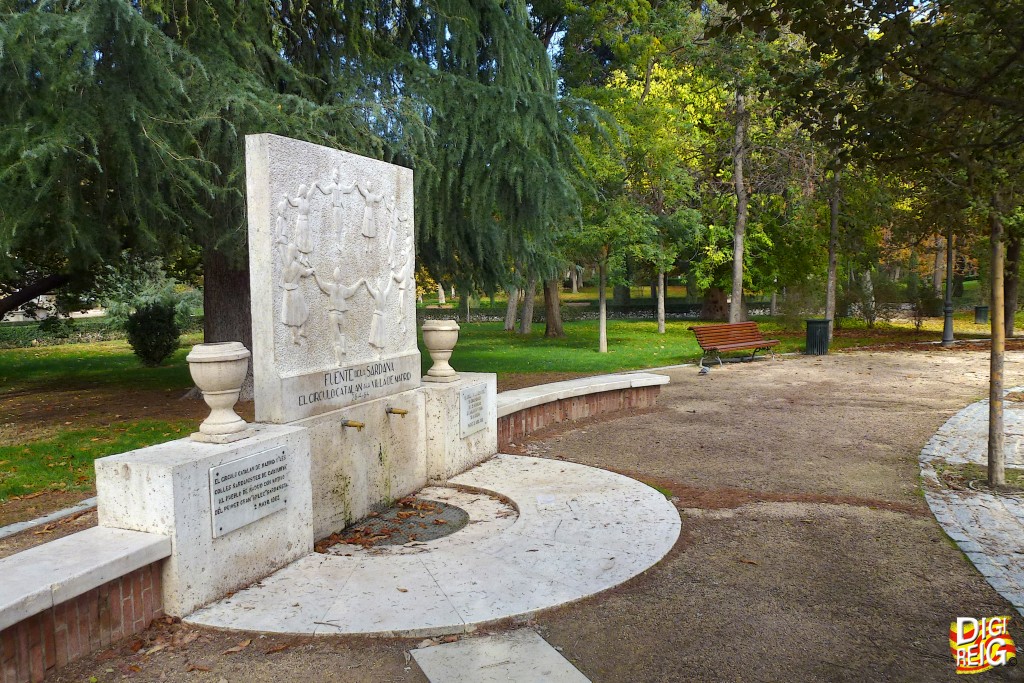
<point x="331" y="262"/>
<point x="46" y="575"/>
<point x="474" y="407"/>
<point x="248" y="489"/>
<point x="382" y="593"/>
<point x="521" y="656"/>
<point x="533" y="564"/>
<point x="482" y="589"/>
<point x="292" y="600"/>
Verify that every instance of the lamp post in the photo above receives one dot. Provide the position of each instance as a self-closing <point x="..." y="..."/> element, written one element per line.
<point x="947" y="307"/>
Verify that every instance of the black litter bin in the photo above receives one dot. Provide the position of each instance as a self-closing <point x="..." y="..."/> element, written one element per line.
<point x="817" y="337"/>
<point x="981" y="314"/>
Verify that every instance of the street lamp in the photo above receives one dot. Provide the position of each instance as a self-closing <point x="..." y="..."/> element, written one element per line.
<point x="947" y="307"/>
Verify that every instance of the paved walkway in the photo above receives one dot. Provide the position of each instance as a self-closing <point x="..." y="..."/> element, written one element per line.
<point x="988" y="528"/>
<point x="579" y="531"/>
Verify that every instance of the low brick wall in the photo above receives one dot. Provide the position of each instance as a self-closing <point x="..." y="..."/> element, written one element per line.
<point x="35" y="647"/>
<point x="516" y="425"/>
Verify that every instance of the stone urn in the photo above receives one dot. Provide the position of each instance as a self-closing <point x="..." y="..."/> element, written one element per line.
<point x="219" y="370"/>
<point x="440" y="336"/>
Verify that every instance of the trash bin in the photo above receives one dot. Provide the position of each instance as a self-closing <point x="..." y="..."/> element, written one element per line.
<point x="817" y="337"/>
<point x="981" y="314"/>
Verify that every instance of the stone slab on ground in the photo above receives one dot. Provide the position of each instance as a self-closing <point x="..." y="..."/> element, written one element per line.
<point x="521" y="656"/>
<point x="989" y="528"/>
<point x="579" y="531"/>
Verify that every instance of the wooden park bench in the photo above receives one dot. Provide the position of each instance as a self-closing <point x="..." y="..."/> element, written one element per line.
<point x="731" y="337"/>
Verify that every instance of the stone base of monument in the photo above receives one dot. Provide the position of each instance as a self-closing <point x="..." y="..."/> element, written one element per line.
<point x="234" y="513"/>
<point x="355" y="470"/>
<point x="462" y="424"/>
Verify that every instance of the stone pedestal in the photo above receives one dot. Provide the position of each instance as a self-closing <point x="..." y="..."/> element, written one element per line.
<point x="230" y="520"/>
<point x="461" y="424"/>
<point x="355" y="471"/>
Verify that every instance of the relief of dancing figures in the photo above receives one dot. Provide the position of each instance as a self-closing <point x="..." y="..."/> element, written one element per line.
<point x="337" y="191"/>
<point x="294" y="311"/>
<point x="378" y="333"/>
<point x="337" y="306"/>
<point x="403" y="273"/>
<point x="372" y="199"/>
<point x="303" y="235"/>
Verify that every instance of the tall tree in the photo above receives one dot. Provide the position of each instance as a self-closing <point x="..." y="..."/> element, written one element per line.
<point x="150" y="157"/>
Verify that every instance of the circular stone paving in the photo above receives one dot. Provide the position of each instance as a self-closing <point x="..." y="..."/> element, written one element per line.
<point x="579" y="530"/>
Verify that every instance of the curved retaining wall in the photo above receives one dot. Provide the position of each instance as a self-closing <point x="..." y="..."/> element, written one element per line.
<point x="524" y="411"/>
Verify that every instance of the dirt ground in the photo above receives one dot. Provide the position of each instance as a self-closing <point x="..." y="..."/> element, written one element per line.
<point x="807" y="552"/>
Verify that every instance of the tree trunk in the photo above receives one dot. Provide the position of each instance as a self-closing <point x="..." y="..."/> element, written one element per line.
<point x="714" y="306"/>
<point x="833" y="250"/>
<point x="574" y="278"/>
<point x="226" y="312"/>
<point x="1011" y="279"/>
<point x="464" y="304"/>
<point x="661" y="300"/>
<point x="620" y="294"/>
<point x="736" y="312"/>
<point x="552" y="309"/>
<point x="996" y="456"/>
<point x="937" y="270"/>
<point x="31" y="291"/>
<point x="602" y="308"/>
<point x="868" y="300"/>
<point x="692" y="291"/>
<point x="773" y="307"/>
<point x="511" y="309"/>
<point x="440" y="294"/>
<point x="526" y="320"/>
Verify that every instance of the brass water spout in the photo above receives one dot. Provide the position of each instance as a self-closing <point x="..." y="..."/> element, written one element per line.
<point x="352" y="423"/>
<point x="396" y="411"/>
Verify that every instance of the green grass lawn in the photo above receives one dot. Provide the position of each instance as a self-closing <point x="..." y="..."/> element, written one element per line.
<point x="65" y="462"/>
<point x="109" y="363"/>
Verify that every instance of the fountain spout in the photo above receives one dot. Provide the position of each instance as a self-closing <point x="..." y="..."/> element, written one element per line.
<point x="396" y="411"/>
<point x="352" y="423"/>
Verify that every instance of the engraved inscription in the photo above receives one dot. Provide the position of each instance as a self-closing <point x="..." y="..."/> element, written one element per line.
<point x="472" y="410"/>
<point x="247" y="489"/>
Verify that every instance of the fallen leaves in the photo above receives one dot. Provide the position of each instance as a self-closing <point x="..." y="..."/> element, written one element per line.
<point x="389" y="527"/>
<point x="277" y="648"/>
<point x="238" y="648"/>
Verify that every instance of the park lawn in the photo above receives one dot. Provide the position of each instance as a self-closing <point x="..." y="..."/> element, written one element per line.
<point x="109" y="363"/>
<point x="632" y="344"/>
<point x="65" y="462"/>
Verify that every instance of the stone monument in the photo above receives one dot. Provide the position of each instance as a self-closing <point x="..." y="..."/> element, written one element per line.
<point x="332" y="266"/>
<point x="343" y="424"/>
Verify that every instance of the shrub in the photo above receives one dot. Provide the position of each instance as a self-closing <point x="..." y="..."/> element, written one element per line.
<point x="153" y="332"/>
<point x="57" y="327"/>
